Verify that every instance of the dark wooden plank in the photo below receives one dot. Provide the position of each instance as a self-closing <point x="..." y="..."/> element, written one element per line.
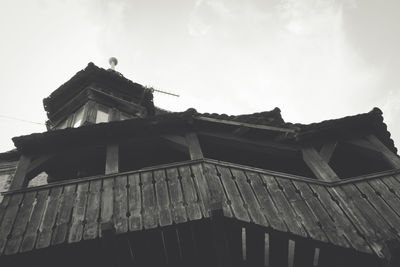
<point x="19" y="180"/>
<point x="279" y="248"/>
<point x="309" y="220"/>
<point x="78" y="214"/>
<point x="380" y="205"/>
<point x="217" y="196"/>
<point x="163" y="203"/>
<point x="186" y="243"/>
<point x="175" y="191"/>
<point x="28" y="243"/>
<point x="91" y="228"/>
<point x="107" y="201"/>
<point x="255" y="246"/>
<point x="64" y="214"/>
<point x="350" y="206"/>
<point x="303" y="253"/>
<point x="284" y="208"/>
<point x="344" y="227"/>
<point x="321" y="216"/>
<point x="189" y="193"/>
<point x="172" y="250"/>
<point x="392" y="182"/>
<point x="49" y="218"/>
<point x="368" y="212"/>
<point x="384" y="191"/>
<point x="318" y="166"/>
<point x="120" y="204"/>
<point x="194" y="146"/>
<point x="135" y="202"/>
<point x="201" y="187"/>
<point x="150" y="215"/>
<point x="267" y="205"/>
<point x="9" y="219"/>
<point x="249" y="198"/>
<point x="20" y="223"/>
<point x="112" y="158"/>
<point x="236" y="201"/>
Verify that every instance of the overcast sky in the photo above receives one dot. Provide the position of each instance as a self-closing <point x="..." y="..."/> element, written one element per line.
<point x="314" y="59"/>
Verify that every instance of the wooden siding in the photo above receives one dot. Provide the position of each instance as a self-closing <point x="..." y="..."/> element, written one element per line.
<point x="362" y="214"/>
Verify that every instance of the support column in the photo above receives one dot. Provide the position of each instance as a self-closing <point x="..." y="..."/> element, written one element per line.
<point x="112" y="154"/>
<point x="318" y="166"/>
<point x="19" y="181"/>
<point x="194" y="146"/>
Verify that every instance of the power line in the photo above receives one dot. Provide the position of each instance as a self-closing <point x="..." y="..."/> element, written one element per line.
<point x="21" y="120"/>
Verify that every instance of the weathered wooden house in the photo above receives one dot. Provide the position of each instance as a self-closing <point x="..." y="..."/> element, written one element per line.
<point x="129" y="184"/>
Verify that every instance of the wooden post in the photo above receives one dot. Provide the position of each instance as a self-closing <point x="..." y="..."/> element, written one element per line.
<point x="220" y="240"/>
<point x="194" y="146"/>
<point x="388" y="155"/>
<point x="318" y="166"/>
<point x="112" y="151"/>
<point x="19" y="181"/>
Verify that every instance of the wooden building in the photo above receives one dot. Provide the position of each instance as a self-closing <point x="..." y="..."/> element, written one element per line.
<point x="130" y="184"/>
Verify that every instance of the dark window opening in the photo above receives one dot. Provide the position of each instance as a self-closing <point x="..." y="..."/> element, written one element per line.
<point x="291" y="165"/>
<point x="138" y="155"/>
<point x="350" y="161"/>
<point x="77" y="163"/>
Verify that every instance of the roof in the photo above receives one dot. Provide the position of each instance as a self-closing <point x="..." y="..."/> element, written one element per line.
<point x="91" y="74"/>
<point x="370" y="122"/>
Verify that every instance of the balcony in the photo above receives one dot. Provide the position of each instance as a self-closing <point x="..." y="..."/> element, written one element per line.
<point x="361" y="213"/>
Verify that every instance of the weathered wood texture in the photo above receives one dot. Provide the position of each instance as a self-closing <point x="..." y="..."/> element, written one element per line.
<point x="362" y="215"/>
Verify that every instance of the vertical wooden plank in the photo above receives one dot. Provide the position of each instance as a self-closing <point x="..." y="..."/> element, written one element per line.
<point x="268" y="207"/>
<point x="107" y="201"/>
<point x="344" y="226"/>
<point x="150" y="214"/>
<point x="380" y="205"/>
<point x="220" y="240"/>
<point x="91" y="229"/>
<point x="175" y="192"/>
<point x="291" y="251"/>
<point x="386" y="192"/>
<point x="233" y="194"/>
<point x="309" y="220"/>
<point x="19" y="179"/>
<point x="249" y="198"/>
<point x="46" y="227"/>
<point x="284" y="208"/>
<point x="217" y="196"/>
<point x="318" y="166"/>
<point x="164" y="212"/>
<point x="189" y="193"/>
<point x="194" y="146"/>
<point x="9" y="218"/>
<point x="64" y="215"/>
<point x="266" y="250"/>
<point x="330" y="228"/>
<point x="31" y="232"/>
<point x="202" y="188"/>
<point x="135" y="202"/>
<point x="20" y="223"/>
<point x="120" y="204"/>
<point x="78" y="214"/>
<point x="112" y="153"/>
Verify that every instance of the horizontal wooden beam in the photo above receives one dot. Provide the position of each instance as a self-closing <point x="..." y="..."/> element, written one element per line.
<point x="248" y="144"/>
<point x="176" y="141"/>
<point x="244" y="124"/>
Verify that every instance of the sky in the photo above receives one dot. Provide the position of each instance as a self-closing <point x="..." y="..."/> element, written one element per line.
<point x="314" y="59"/>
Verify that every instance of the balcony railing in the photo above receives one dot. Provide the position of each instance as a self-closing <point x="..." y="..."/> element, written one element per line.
<point x="361" y="213"/>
